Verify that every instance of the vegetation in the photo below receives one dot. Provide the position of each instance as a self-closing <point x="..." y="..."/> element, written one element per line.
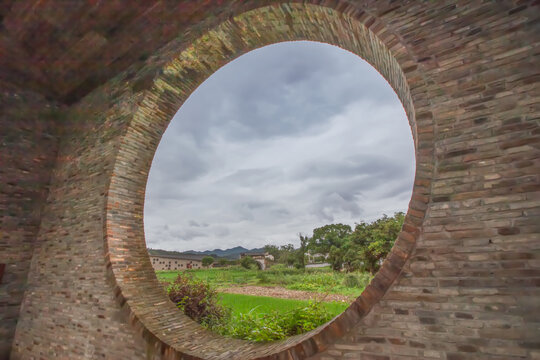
<point x="242" y="304"/>
<point x="354" y="256"/>
<point x="360" y="250"/>
<point x="197" y="299"/>
<point x="255" y="318"/>
<point x="351" y="281"/>
<point x="207" y="261"/>
<point x="322" y="280"/>
<point x="249" y="263"/>
<point x="274" y="325"/>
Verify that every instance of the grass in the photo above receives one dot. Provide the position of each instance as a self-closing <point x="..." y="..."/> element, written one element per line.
<point x="263" y="318"/>
<point x="242" y="304"/>
<point x="216" y="277"/>
<point x="317" y="280"/>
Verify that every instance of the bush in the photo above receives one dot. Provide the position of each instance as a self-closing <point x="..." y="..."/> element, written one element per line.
<point x="248" y="262"/>
<point x="243" y="279"/>
<point x="197" y="300"/>
<point x="351" y="281"/>
<point x="281" y="270"/>
<point x="306" y="318"/>
<point x="262" y="277"/>
<point x="224" y="262"/>
<point x="274" y="326"/>
<point x="253" y="327"/>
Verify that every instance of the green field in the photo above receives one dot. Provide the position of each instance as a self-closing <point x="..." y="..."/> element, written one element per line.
<point x="242" y="304"/>
<point x="263" y="318"/>
<point x="322" y="280"/>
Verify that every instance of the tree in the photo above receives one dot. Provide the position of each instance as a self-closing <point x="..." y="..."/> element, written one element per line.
<point x="286" y="248"/>
<point x="327" y="236"/>
<point x="249" y="263"/>
<point x="207" y="261"/>
<point x="300" y="262"/>
<point x="272" y="250"/>
<point x="330" y="239"/>
<point x="373" y="241"/>
<point x="287" y="255"/>
<point x="223" y="262"/>
<point x="361" y="249"/>
<point x="288" y="258"/>
<point x="335" y="258"/>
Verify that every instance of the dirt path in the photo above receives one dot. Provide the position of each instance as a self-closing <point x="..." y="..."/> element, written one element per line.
<point x="283" y="293"/>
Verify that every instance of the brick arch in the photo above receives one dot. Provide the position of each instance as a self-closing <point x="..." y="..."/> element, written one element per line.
<point x="178" y="74"/>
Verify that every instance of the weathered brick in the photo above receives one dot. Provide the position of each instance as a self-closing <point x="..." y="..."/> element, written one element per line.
<point x="462" y="280"/>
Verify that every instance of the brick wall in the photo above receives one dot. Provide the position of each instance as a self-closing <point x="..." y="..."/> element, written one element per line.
<point x="69" y="311"/>
<point x="28" y="143"/>
<point x="463" y="279"/>
<point x="471" y="287"/>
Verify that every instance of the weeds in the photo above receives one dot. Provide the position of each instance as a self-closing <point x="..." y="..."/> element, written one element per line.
<point x="274" y="325"/>
<point x="198" y="300"/>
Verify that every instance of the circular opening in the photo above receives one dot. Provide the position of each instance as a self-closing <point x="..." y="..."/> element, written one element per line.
<point x="266" y="149"/>
<point x="165" y="329"/>
<point x="319" y="141"/>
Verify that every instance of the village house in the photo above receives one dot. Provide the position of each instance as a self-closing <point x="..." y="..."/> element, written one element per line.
<point x="176" y="262"/>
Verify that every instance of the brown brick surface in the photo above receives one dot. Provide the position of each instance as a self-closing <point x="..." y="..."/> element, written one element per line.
<point x="28" y="150"/>
<point x="463" y="279"/>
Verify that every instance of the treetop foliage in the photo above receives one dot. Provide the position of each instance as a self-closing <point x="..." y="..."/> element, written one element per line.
<point x="363" y="248"/>
<point x="207" y="260"/>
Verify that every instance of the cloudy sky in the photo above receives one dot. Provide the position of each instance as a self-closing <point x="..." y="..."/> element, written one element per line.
<point x="280" y="141"/>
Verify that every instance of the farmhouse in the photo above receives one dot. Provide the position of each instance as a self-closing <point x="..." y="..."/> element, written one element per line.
<point x="176" y="262"/>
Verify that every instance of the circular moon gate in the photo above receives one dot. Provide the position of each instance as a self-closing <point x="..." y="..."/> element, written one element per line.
<point x="162" y="87"/>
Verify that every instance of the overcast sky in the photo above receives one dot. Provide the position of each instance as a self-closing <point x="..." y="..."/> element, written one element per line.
<point x="282" y="140"/>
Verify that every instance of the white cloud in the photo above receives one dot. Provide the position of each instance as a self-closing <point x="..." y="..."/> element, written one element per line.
<point x="266" y="149"/>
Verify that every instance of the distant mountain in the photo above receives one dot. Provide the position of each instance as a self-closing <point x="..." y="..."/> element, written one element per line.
<point x="231" y="254"/>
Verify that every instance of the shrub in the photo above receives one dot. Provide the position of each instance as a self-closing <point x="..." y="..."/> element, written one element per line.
<point x="306" y="318"/>
<point x="197" y="300"/>
<point x="351" y="281"/>
<point x="263" y="277"/>
<point x="253" y="327"/>
<point x="274" y="326"/>
<point x="281" y="270"/>
<point x="248" y="262"/>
